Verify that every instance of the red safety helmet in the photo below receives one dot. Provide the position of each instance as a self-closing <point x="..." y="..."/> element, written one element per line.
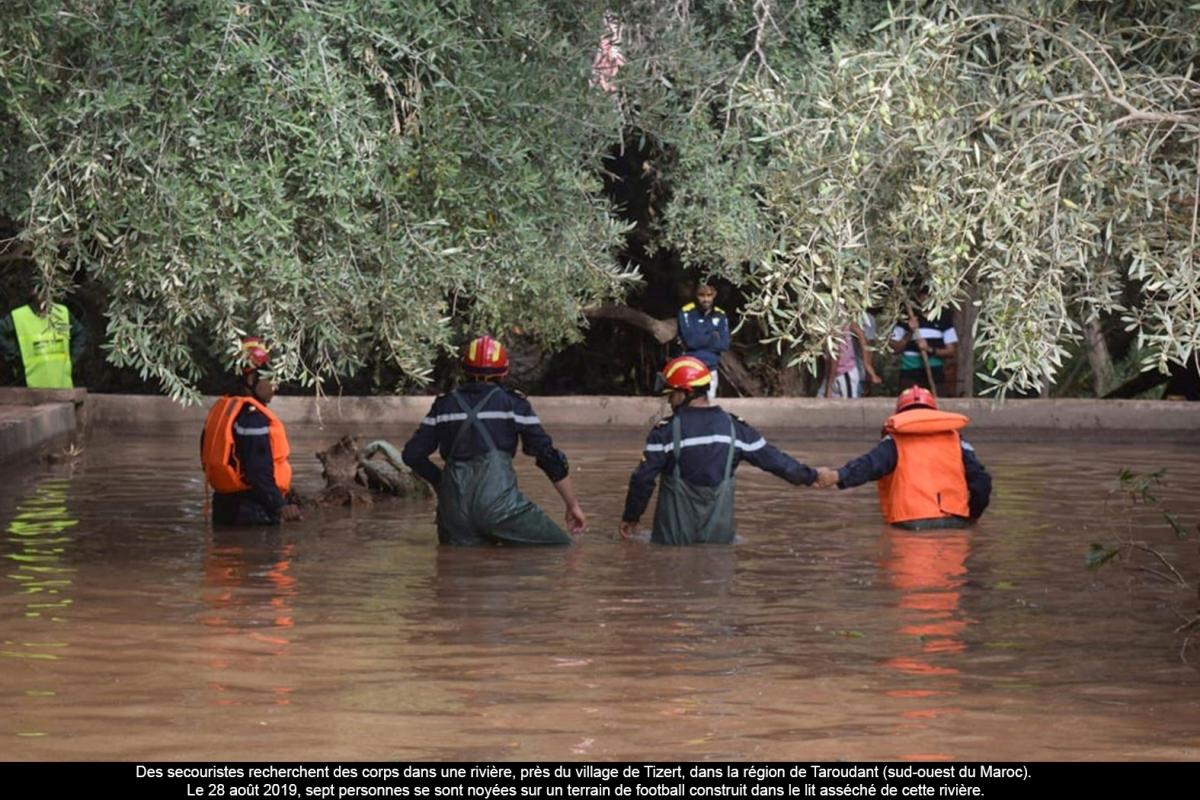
<point x="684" y="374"/>
<point x="255" y="353"/>
<point x="915" y="397"/>
<point x="485" y="357"/>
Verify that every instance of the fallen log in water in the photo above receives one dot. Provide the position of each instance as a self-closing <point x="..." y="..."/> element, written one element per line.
<point x="355" y="476"/>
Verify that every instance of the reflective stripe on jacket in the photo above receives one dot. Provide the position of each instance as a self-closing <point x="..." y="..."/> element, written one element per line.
<point x="218" y="456"/>
<point x="929" y="480"/>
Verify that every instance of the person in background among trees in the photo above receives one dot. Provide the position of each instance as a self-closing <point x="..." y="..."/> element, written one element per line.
<point x="41" y="343"/>
<point x="704" y="331"/>
<point x="847" y="369"/>
<point x="864" y="355"/>
<point x="935" y="337"/>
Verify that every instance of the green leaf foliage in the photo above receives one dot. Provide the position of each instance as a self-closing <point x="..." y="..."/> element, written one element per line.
<point x="358" y="181"/>
<point x="369" y="181"/>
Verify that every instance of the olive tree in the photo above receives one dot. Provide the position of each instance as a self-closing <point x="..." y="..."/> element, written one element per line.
<point x="1039" y="165"/>
<point x="358" y="180"/>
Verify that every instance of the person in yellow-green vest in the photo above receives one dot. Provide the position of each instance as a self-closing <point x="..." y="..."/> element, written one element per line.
<point x="41" y="343"/>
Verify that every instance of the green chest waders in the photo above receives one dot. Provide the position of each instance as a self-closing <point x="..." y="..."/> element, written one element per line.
<point x="478" y="499"/>
<point x="690" y="514"/>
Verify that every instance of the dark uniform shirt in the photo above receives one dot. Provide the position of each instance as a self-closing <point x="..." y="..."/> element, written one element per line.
<point x="252" y="448"/>
<point x="882" y="460"/>
<point x="704" y="336"/>
<point x="703" y="449"/>
<point x="507" y="417"/>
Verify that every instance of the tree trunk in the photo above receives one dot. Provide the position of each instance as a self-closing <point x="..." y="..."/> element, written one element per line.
<point x="964" y="353"/>
<point x="1098" y="355"/>
<point x="733" y="371"/>
<point x="352" y="478"/>
<point x="663" y="330"/>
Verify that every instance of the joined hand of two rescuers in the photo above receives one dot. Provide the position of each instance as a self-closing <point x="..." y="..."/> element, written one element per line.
<point x="826" y="478"/>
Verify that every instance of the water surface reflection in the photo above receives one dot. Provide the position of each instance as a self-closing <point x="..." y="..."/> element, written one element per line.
<point x="132" y="630"/>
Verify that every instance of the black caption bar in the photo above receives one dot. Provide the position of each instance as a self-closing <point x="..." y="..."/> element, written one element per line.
<point x="598" y="781"/>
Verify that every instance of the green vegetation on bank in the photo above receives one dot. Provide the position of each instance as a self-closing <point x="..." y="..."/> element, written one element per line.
<point x="366" y="182"/>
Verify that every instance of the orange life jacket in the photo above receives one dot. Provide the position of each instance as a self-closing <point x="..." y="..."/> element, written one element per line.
<point x="929" y="480"/>
<point x="219" y="458"/>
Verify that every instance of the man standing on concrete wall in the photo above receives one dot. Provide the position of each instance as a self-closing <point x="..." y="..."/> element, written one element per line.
<point x="41" y="342"/>
<point x="704" y="331"/>
<point x="919" y="338"/>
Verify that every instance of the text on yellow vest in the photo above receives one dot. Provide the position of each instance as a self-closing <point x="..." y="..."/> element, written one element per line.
<point x="45" y="344"/>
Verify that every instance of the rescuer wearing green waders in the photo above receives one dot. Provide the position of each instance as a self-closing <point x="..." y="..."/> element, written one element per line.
<point x="476" y="428"/>
<point x="696" y="450"/>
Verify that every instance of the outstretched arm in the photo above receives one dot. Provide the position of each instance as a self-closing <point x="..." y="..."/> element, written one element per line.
<point x="550" y="460"/>
<point x="576" y="519"/>
<point x="754" y="448"/>
<point x="880" y="461"/>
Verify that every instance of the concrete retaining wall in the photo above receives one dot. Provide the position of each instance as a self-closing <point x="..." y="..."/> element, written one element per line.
<point x="29" y="418"/>
<point x="24" y="427"/>
<point x="1025" y="419"/>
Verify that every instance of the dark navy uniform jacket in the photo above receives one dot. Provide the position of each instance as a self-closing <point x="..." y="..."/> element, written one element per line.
<point x="507" y="417"/>
<point x="882" y="460"/>
<point x="703" y="448"/>
<point x="704" y="336"/>
<point x="252" y="447"/>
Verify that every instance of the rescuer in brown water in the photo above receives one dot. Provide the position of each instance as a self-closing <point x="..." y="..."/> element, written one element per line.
<point x="244" y="450"/>
<point x="929" y="476"/>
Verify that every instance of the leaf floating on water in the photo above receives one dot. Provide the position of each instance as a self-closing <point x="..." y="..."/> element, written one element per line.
<point x="849" y="634"/>
<point x="1004" y="585"/>
<point x="1099" y="555"/>
<point x="1176" y="525"/>
<point x="1002" y="645"/>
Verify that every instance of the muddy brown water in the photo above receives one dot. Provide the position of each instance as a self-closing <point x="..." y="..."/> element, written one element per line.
<point x="133" y="631"/>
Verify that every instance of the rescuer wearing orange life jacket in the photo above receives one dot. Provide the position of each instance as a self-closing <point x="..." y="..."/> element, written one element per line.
<point x="928" y="476"/>
<point x="244" y="450"/>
